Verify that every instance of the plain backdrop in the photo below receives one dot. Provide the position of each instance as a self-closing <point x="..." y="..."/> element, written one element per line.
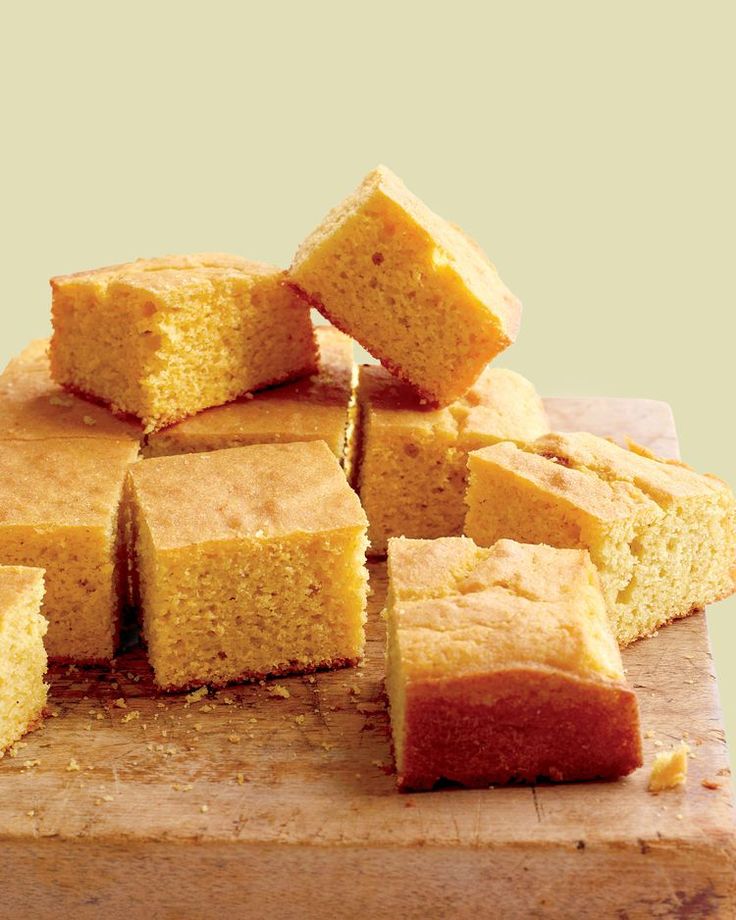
<point x="589" y="147"/>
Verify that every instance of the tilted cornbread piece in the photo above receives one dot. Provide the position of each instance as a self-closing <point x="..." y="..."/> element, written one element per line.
<point x="161" y="339"/>
<point x="311" y="409"/>
<point x="59" y="510"/>
<point x="411" y="463"/>
<point x="250" y="561"/>
<point x="22" y="654"/>
<point x="501" y="666"/>
<point x="662" y="536"/>
<point x="409" y="286"/>
<point x="32" y="406"/>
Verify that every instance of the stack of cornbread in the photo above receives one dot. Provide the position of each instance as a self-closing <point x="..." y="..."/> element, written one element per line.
<point x="201" y="454"/>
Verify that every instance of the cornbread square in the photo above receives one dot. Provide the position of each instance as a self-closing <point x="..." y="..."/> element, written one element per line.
<point x="662" y="536"/>
<point x="314" y="408"/>
<point x="501" y="666"/>
<point x="22" y="654"/>
<point x="250" y="561"/>
<point x="417" y="293"/>
<point x="161" y="339"/>
<point x="32" y="406"/>
<point x="59" y="504"/>
<point x="411" y="465"/>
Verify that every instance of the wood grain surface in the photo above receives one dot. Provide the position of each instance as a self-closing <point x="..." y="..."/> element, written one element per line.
<point x="247" y="803"/>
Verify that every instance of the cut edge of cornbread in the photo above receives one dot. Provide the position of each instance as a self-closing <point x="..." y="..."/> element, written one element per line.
<point x="23" y="660"/>
<point x="434" y="707"/>
<point x="460" y="275"/>
<point x="662" y="536"/>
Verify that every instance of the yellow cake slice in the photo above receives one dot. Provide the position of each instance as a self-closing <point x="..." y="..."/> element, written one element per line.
<point x="33" y="406"/>
<point x="22" y="654"/>
<point x="314" y="408"/>
<point x="250" y="562"/>
<point x="662" y="536"/>
<point x="411" y="462"/>
<point x="163" y="338"/>
<point x="409" y="286"/>
<point x="501" y="666"/>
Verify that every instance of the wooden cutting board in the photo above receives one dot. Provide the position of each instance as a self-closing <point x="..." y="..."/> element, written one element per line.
<point x="249" y="804"/>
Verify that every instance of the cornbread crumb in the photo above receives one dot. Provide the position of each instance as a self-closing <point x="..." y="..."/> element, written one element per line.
<point x="669" y="769"/>
<point x="279" y="690"/>
<point x="710" y="784"/>
<point x="240" y="778"/>
<point x="72" y="766"/>
<point x="233" y="738"/>
<point x="164" y="338"/>
<point x="204" y="809"/>
<point x="129" y="716"/>
<point x="179" y="787"/>
<point x="120" y="703"/>
<point x="299" y="719"/>
<point x="196" y="695"/>
<point x="88" y="420"/>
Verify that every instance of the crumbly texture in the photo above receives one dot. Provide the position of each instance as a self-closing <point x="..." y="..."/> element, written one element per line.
<point x="164" y="338"/>
<point x="410" y="287"/>
<point x="669" y="769"/>
<point x="22" y="654"/>
<point x="501" y="666"/>
<point x="59" y="510"/>
<point x="32" y="406"/>
<point x="250" y="561"/>
<point x="411" y="467"/>
<point x="662" y="536"/>
<point x="314" y="408"/>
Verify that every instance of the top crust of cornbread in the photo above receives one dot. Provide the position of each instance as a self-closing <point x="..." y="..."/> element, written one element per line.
<point x="596" y="476"/>
<point x="297" y="408"/>
<point x="261" y="491"/>
<point x="166" y="273"/>
<point x="501" y="405"/>
<point x="17" y="582"/>
<point x="428" y="302"/>
<point x="62" y="483"/>
<point x="510" y="605"/>
<point x="33" y="406"/>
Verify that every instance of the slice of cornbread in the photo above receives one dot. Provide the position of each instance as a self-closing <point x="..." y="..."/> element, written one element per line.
<point x="311" y="409"/>
<point x="411" y="465"/>
<point x="410" y="287"/>
<point x="32" y="406"/>
<point x="22" y="654"/>
<point x="662" y="536"/>
<point x="501" y="666"/>
<point x="250" y="561"/>
<point x="59" y="503"/>
<point x="161" y="339"/>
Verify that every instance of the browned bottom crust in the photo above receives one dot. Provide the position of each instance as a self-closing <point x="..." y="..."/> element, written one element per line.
<point x="518" y="726"/>
<point x="678" y="616"/>
<point x="34" y="723"/>
<point x="82" y="662"/>
<point x="293" y="667"/>
<point x="137" y="420"/>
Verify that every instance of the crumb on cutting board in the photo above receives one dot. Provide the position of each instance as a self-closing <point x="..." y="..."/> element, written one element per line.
<point x="669" y="769"/>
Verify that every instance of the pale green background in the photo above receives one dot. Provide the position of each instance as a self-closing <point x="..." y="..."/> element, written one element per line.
<point x="588" y="146"/>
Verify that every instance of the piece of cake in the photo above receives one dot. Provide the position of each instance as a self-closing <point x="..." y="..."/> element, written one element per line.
<point x="22" y="654"/>
<point x="250" y="561"/>
<point x="409" y="286"/>
<point x="315" y="408"/>
<point x="411" y="464"/>
<point x="161" y="339"/>
<point x="33" y="406"/>
<point x="669" y="769"/>
<point x="501" y="666"/>
<point x="59" y="504"/>
<point x="662" y="536"/>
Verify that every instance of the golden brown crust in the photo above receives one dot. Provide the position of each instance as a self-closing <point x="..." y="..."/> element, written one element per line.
<point x="518" y="726"/>
<point x="331" y="664"/>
